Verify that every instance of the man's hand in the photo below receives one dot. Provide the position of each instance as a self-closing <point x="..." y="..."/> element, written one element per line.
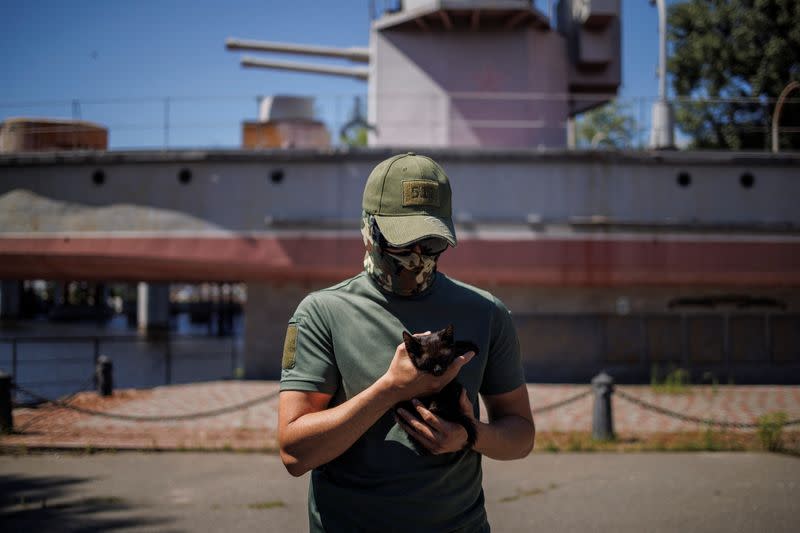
<point x="433" y="432"/>
<point x="404" y="381"/>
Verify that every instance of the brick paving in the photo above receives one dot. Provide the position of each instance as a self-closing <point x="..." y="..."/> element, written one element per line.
<point x="254" y="427"/>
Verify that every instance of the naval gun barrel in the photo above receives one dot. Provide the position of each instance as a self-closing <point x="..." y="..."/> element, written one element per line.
<point x="360" y="55"/>
<point x="360" y="73"/>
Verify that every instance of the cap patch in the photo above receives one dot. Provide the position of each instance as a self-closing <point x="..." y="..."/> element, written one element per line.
<point x="289" y="347"/>
<point x="420" y="192"/>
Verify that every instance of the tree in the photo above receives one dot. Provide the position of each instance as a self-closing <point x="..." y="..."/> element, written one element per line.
<point x="742" y="50"/>
<point x="608" y="126"/>
<point x="354" y="137"/>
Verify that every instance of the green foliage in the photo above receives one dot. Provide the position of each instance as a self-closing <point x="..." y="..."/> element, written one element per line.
<point x="770" y="430"/>
<point x="734" y="49"/>
<point x="608" y="126"/>
<point x="355" y="137"/>
<point x="552" y="447"/>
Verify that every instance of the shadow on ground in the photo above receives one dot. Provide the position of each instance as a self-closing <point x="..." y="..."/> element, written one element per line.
<point x="50" y="503"/>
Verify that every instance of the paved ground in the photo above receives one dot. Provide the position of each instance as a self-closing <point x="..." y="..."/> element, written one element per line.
<point x="254" y="427"/>
<point x="197" y="492"/>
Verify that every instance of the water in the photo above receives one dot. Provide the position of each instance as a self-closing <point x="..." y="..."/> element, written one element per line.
<point x="54" y="368"/>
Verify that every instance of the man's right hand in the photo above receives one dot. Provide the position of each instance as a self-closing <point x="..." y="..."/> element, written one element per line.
<point x="404" y="381"/>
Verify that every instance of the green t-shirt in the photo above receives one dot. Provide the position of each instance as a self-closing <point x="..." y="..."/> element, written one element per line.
<point x="343" y="339"/>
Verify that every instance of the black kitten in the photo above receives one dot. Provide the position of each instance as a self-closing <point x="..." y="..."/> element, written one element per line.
<point x="434" y="353"/>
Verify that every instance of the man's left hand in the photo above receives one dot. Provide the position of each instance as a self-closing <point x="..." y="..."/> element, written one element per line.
<point x="433" y="432"/>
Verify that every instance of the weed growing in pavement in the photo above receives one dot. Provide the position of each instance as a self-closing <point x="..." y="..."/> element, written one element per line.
<point x="521" y="494"/>
<point x="770" y="430"/>
<point x="710" y="377"/>
<point x="708" y="437"/>
<point x="266" y="505"/>
<point x="676" y="381"/>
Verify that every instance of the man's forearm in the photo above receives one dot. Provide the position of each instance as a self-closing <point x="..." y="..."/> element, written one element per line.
<point x="317" y="438"/>
<point x="509" y="437"/>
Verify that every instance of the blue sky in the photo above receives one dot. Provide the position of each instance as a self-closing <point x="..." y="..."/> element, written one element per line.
<point x="121" y="59"/>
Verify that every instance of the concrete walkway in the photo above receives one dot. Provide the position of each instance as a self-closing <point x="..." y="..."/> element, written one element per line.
<point x="199" y="492"/>
<point x="254" y="427"/>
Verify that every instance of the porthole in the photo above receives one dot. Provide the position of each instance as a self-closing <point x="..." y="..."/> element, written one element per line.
<point x="185" y="176"/>
<point x="747" y="180"/>
<point x="98" y="177"/>
<point x="276" y="176"/>
<point x="684" y="179"/>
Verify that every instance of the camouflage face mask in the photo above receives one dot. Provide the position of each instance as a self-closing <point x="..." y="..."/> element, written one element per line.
<point x="405" y="274"/>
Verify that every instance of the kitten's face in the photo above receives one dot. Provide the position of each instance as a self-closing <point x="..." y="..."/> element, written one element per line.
<point x="432" y="353"/>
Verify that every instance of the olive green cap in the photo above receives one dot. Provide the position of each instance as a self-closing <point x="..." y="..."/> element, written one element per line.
<point x="409" y="195"/>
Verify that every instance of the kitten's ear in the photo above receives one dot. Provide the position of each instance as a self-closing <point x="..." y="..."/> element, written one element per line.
<point x="448" y="332"/>
<point x="462" y="347"/>
<point x="410" y="341"/>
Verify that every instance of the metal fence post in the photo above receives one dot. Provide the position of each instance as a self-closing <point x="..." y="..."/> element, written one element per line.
<point x="233" y="356"/>
<point x="168" y="360"/>
<point x="104" y="376"/>
<point x="14" y="357"/>
<point x="603" y="419"/>
<point x="6" y="417"/>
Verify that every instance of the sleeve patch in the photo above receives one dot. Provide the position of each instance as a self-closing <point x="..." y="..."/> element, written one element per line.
<point x="289" y="347"/>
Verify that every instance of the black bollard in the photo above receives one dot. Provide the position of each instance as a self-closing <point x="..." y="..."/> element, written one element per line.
<point x="6" y="417"/>
<point x="603" y="419"/>
<point x="104" y="376"/>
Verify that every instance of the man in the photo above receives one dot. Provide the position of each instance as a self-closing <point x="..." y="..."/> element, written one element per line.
<point x="344" y="371"/>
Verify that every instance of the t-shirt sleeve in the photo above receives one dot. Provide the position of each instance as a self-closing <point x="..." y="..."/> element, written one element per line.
<point x="308" y="362"/>
<point x="504" y="371"/>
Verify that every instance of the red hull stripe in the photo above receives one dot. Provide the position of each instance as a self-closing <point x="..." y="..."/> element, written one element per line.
<point x="551" y="261"/>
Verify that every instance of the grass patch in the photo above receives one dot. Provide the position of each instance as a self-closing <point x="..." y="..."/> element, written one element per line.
<point x="551" y="446"/>
<point x="708" y="439"/>
<point x="571" y="441"/>
<point x="272" y="504"/>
